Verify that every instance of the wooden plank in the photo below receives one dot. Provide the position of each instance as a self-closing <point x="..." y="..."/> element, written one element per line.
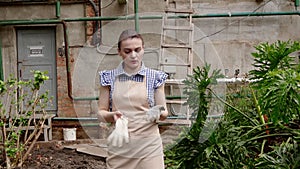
<point x="175" y="81"/>
<point x="175" y="101"/>
<point x="47" y="127"/>
<point x="91" y="149"/>
<point x="15" y="128"/>
<point x="175" y="122"/>
<point x="165" y="45"/>
<point x="182" y="28"/>
<point x="175" y="64"/>
<point x="174" y="10"/>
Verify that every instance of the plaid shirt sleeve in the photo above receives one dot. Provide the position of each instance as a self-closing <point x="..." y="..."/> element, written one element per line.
<point x="160" y="78"/>
<point x="155" y="79"/>
<point x="105" y="78"/>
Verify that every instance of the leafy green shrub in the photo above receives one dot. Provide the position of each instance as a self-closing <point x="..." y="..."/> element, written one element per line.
<point x="260" y="120"/>
<point x="20" y="102"/>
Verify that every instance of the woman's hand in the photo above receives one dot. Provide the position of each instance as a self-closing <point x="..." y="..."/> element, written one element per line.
<point x="164" y="115"/>
<point x="116" y="115"/>
<point x="109" y="117"/>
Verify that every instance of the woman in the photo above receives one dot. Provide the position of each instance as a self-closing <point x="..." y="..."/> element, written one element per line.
<point x="132" y="96"/>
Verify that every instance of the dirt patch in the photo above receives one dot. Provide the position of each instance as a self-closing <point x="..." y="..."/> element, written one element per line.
<point x="43" y="157"/>
<point x="54" y="155"/>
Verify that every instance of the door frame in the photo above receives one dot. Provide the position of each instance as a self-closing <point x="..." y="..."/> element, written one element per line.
<point x="37" y="28"/>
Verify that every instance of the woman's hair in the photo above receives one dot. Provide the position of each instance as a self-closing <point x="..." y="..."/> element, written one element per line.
<point x="129" y="33"/>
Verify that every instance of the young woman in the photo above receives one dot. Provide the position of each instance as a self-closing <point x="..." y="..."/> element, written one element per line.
<point x="132" y="97"/>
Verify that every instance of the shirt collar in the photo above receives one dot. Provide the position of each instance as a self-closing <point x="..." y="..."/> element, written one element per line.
<point x="120" y="70"/>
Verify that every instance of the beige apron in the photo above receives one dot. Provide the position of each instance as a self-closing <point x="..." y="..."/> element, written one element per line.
<point x="144" y="149"/>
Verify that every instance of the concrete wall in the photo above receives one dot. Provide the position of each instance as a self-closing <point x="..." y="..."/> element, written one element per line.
<point x="235" y="37"/>
<point x="225" y="42"/>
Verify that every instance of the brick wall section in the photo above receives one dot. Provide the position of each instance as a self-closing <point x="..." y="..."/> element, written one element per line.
<point x="90" y="25"/>
<point x="66" y="106"/>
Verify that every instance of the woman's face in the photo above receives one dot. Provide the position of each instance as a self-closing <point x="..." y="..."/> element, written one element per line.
<point x="132" y="51"/>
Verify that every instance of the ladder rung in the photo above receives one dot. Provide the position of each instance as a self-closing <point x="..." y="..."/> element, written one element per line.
<point x="175" y="121"/>
<point x="176" y="97"/>
<point x="174" y="10"/>
<point x="183" y="28"/>
<point x="174" y="81"/>
<point x="175" y="64"/>
<point x="176" y="46"/>
<point x="175" y="101"/>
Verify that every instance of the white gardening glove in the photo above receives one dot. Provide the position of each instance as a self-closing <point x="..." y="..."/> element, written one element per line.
<point x="153" y="114"/>
<point x="120" y="134"/>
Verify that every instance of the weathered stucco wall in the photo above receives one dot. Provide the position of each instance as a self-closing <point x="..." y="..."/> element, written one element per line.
<point x="76" y="36"/>
<point x="225" y="42"/>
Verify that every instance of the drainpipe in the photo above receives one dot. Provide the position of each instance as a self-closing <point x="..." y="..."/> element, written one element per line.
<point x="57" y="9"/>
<point x="1" y="63"/>
<point x="100" y="21"/>
<point x="95" y="39"/>
<point x="66" y="40"/>
<point x="136" y="15"/>
<point x="69" y="78"/>
<point x="296" y="4"/>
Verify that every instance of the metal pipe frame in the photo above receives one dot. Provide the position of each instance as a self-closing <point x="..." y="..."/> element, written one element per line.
<point x="136" y="17"/>
<point x="144" y="17"/>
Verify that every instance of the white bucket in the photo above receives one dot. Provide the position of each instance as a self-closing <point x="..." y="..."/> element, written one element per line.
<point x="69" y="134"/>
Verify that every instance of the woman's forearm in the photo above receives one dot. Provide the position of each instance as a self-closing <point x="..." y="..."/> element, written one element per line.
<point x="105" y="116"/>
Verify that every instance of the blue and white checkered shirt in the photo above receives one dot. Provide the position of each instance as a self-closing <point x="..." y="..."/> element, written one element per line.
<point x="154" y="79"/>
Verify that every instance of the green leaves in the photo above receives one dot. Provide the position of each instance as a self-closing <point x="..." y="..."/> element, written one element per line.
<point x="280" y="95"/>
<point x="19" y="104"/>
<point x="273" y="56"/>
<point x="286" y="155"/>
<point x="188" y="153"/>
<point x="278" y="80"/>
<point x="2" y="87"/>
<point x="261" y="123"/>
<point x="39" y="78"/>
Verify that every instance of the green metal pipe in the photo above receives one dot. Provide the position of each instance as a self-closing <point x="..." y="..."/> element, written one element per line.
<point x="85" y="98"/>
<point x="75" y="118"/>
<point x="243" y="14"/>
<point x="1" y="63"/>
<point x="57" y="9"/>
<point x="296" y="3"/>
<point x="102" y="18"/>
<point x="136" y="15"/>
<point x="27" y="22"/>
<point x="176" y="97"/>
<point x="145" y="17"/>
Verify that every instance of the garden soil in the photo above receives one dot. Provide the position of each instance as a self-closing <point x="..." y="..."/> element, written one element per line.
<point x="59" y="155"/>
<point x="55" y="155"/>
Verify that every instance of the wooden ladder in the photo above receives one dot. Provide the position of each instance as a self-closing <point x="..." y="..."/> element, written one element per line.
<point x="172" y="25"/>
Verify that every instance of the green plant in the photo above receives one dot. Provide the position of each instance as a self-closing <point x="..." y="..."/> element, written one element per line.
<point x="187" y="152"/>
<point x="19" y="104"/>
<point x="269" y="57"/>
<point x="277" y="80"/>
<point x="286" y="155"/>
<point x="260" y="119"/>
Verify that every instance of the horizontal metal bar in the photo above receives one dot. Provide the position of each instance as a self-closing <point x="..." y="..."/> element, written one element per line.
<point x="74" y="118"/>
<point x="144" y="17"/>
